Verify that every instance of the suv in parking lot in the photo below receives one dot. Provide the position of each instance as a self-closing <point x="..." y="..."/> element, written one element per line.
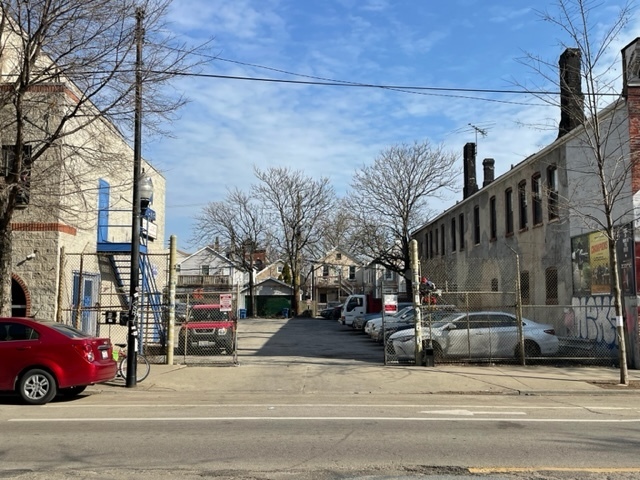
<point x="207" y="328"/>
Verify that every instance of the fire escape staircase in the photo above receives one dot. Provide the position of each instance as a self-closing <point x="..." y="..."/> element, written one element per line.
<point x="117" y="256"/>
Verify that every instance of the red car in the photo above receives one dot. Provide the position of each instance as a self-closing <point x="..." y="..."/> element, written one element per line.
<point x="40" y="359"/>
<point x="207" y="328"/>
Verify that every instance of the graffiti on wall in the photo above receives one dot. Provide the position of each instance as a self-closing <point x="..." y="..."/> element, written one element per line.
<point x="593" y="318"/>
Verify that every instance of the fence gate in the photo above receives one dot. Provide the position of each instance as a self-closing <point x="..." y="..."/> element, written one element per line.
<point x="205" y="331"/>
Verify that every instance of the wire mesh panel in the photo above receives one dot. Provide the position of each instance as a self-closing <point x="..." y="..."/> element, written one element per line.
<point x="206" y="328"/>
<point x="94" y="293"/>
<point x="487" y="310"/>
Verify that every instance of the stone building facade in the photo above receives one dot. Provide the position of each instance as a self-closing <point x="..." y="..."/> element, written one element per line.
<point x="534" y="229"/>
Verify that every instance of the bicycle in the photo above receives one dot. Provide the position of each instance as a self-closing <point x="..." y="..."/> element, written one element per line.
<point x="142" y="368"/>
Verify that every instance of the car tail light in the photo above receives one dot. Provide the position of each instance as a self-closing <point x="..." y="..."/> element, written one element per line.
<point x="550" y="331"/>
<point x="86" y="352"/>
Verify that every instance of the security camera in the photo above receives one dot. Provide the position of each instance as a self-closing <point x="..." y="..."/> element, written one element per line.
<point x="31" y="256"/>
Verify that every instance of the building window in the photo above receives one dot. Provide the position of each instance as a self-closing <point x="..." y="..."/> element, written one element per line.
<point x="338" y="256"/>
<point x="388" y="274"/>
<point x="437" y="240"/>
<point x="551" y="284"/>
<point x="442" y="239"/>
<point x="352" y="272"/>
<point x="461" y="230"/>
<point x="493" y="222"/>
<point x="430" y="245"/>
<point x="323" y="298"/>
<point x="524" y="288"/>
<point x="552" y="189"/>
<point x="426" y="245"/>
<point x="279" y="269"/>
<point x="325" y="270"/>
<point x="204" y="269"/>
<point x="453" y="234"/>
<point x="522" y="204"/>
<point x="508" y="211"/>
<point x="536" y="194"/>
<point x="494" y="284"/>
<point x="476" y="225"/>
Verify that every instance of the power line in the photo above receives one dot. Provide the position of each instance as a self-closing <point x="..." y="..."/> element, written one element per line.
<point x="325" y="81"/>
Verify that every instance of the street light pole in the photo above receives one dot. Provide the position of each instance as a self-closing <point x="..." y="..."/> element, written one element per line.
<point x="132" y="337"/>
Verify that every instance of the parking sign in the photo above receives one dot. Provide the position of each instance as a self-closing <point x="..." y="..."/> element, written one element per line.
<point x="225" y="302"/>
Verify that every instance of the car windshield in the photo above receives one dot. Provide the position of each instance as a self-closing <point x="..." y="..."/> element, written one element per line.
<point x="204" y="314"/>
<point x="440" y="319"/>
<point x="401" y="312"/>
<point x="67" y="330"/>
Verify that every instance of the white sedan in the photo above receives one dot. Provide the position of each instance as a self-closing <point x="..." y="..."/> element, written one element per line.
<point x="479" y="335"/>
<point x="374" y="326"/>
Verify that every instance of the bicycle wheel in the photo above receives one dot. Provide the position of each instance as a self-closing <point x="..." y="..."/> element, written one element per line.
<point x="142" y="368"/>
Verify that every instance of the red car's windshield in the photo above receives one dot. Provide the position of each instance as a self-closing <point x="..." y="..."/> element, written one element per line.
<point x="200" y="315"/>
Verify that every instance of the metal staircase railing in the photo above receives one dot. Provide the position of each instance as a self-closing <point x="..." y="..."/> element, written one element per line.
<point x="151" y="326"/>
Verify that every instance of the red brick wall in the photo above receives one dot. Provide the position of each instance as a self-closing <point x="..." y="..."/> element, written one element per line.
<point x="44" y="227"/>
<point x="633" y="105"/>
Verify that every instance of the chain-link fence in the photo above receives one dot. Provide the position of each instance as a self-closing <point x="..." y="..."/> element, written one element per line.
<point x="205" y="329"/>
<point x="93" y="295"/>
<point x="488" y="310"/>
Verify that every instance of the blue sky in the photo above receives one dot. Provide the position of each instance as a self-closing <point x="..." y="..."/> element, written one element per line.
<point x="231" y="125"/>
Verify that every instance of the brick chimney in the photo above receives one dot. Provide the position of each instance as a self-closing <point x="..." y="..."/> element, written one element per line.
<point x="470" y="186"/>
<point x="571" y="96"/>
<point x="489" y="171"/>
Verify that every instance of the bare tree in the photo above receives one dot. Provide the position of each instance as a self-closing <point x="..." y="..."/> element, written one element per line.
<point x="67" y="77"/>
<point x="599" y="173"/>
<point x="338" y="229"/>
<point x="239" y="223"/>
<point x="390" y="199"/>
<point x="297" y="204"/>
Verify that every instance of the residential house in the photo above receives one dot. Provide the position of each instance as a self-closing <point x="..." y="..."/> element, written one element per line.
<point x="338" y="274"/>
<point x="205" y="274"/>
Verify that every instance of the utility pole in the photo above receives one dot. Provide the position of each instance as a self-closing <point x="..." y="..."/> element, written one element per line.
<point x="415" y="270"/>
<point x="132" y="337"/>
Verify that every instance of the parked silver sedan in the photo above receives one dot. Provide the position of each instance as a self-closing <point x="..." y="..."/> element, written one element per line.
<point x="479" y="335"/>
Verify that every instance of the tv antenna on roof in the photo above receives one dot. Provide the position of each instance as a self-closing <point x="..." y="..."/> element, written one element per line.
<point x="482" y="131"/>
<point x="478" y="130"/>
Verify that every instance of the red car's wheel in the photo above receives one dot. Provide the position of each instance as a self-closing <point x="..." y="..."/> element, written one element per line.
<point x="37" y="387"/>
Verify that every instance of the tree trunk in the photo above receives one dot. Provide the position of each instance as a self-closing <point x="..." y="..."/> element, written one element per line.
<point x="618" y="305"/>
<point x="5" y="259"/>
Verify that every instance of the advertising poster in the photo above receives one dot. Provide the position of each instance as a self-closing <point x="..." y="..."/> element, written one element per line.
<point x="580" y="266"/>
<point x="599" y="259"/>
<point x="626" y="258"/>
<point x="590" y="263"/>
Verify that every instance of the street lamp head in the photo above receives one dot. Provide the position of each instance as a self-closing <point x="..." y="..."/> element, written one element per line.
<point x="145" y="187"/>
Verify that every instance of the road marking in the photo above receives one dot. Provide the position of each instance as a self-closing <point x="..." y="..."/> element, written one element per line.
<point x="484" y="470"/>
<point x="340" y="419"/>
<point x="77" y="405"/>
<point x="470" y="413"/>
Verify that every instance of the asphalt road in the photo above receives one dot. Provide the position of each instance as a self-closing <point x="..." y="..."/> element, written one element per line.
<point x="156" y="434"/>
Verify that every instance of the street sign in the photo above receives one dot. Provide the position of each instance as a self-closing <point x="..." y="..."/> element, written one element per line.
<point x="390" y="303"/>
<point x="225" y="302"/>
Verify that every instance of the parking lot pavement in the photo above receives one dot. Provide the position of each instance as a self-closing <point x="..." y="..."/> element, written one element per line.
<point x="304" y="356"/>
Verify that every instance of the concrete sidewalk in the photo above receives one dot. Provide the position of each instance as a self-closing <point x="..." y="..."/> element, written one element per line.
<point x="295" y="378"/>
<point x="306" y="356"/>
